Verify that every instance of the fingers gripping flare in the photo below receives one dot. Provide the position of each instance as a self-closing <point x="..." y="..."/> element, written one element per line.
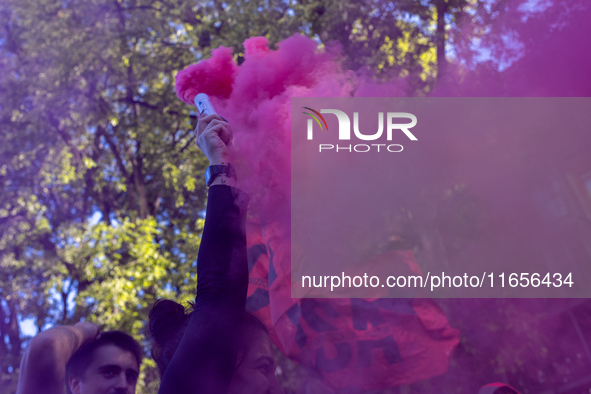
<point x="214" y="138"/>
<point x="222" y="129"/>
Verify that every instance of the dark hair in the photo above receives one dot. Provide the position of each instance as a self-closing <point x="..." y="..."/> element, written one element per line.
<point x="168" y="322"/>
<point x="501" y="388"/>
<point x="79" y="362"/>
<point x="505" y="390"/>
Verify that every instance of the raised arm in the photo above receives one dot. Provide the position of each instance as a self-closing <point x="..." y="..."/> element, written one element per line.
<point x="43" y="366"/>
<point x="205" y="358"/>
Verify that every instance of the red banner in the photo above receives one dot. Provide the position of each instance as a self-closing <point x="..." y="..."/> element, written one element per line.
<point x="355" y="344"/>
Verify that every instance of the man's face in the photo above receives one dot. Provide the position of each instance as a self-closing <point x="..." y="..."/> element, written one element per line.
<point x="112" y="371"/>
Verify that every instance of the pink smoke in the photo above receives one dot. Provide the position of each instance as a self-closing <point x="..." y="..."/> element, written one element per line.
<point x="214" y="77"/>
<point x="255" y="98"/>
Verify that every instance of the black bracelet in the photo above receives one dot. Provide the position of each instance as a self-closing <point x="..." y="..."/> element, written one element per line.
<point x="212" y="173"/>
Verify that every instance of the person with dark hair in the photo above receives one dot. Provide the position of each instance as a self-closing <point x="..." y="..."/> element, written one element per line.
<point x="110" y="364"/>
<point x="80" y="360"/>
<point x="217" y="348"/>
<point x="497" y="388"/>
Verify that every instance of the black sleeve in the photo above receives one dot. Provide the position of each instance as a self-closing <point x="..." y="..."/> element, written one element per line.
<point x="206" y="356"/>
